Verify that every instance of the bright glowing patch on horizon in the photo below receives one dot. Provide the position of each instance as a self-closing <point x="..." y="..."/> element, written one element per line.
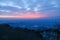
<point x="26" y="16"/>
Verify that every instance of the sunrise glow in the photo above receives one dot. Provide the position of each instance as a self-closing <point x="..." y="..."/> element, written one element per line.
<point x="30" y="16"/>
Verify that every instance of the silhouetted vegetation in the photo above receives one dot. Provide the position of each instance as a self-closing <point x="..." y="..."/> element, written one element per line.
<point x="9" y="33"/>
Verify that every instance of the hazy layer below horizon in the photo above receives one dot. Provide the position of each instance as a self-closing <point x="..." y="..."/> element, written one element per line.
<point x="31" y="23"/>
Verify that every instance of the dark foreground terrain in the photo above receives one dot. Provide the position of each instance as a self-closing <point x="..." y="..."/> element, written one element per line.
<point x="9" y="33"/>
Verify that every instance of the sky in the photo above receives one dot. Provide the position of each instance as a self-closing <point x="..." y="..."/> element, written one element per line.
<point x="29" y="8"/>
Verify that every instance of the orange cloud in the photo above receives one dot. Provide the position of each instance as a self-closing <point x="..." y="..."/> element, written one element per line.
<point x="28" y="16"/>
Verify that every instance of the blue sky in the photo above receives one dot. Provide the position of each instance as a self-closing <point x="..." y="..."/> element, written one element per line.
<point x="16" y="7"/>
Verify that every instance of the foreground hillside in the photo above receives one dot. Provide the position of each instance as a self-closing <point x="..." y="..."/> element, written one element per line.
<point x="7" y="32"/>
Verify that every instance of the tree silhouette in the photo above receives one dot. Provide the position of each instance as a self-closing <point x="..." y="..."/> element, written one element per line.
<point x="8" y="33"/>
